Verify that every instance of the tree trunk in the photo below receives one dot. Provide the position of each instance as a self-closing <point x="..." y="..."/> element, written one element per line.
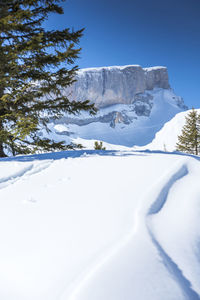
<point x="2" y="153"/>
<point x="196" y="143"/>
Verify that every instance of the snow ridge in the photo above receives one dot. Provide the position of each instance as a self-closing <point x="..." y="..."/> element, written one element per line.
<point x="28" y="170"/>
<point x="155" y="208"/>
<point x="162" y="198"/>
<point x="141" y="229"/>
<point x="5" y="181"/>
<point x="97" y="69"/>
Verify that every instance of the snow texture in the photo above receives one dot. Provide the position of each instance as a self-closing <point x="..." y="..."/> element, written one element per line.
<point x="122" y="124"/>
<point x="167" y="137"/>
<point x="134" y="103"/>
<point x="85" y="225"/>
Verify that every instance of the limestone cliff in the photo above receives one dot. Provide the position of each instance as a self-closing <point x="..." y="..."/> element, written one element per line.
<point x="134" y="103"/>
<point x="117" y="85"/>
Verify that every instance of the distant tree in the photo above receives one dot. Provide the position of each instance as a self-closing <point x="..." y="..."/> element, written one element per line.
<point x="35" y="66"/>
<point x="99" y="146"/>
<point x="189" y="140"/>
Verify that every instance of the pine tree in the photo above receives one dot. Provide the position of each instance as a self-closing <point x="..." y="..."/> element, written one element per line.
<point x="36" y="65"/>
<point x="99" y="146"/>
<point x="189" y="140"/>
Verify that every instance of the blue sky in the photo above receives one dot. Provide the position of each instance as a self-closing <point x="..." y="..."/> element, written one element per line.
<point x="144" y="32"/>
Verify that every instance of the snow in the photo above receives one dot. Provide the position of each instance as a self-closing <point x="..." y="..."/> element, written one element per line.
<point x="154" y="68"/>
<point x="167" y="137"/>
<point x="60" y="128"/>
<point x="97" y="69"/>
<point x="89" y="144"/>
<point x="114" y="225"/>
<point x="141" y="130"/>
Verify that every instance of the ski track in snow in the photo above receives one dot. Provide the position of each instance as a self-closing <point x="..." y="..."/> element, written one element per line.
<point x="171" y="266"/>
<point x="156" y="207"/>
<point x="23" y="173"/>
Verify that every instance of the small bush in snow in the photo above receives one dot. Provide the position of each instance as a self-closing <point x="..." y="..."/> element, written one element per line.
<point x="98" y="146"/>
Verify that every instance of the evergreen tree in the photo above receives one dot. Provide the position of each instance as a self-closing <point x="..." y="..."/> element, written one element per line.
<point x="35" y="67"/>
<point x="189" y="140"/>
<point x="99" y="146"/>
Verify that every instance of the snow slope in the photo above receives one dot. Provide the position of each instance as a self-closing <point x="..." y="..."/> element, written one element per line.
<point x="114" y="225"/>
<point x="128" y="128"/>
<point x="166" y="138"/>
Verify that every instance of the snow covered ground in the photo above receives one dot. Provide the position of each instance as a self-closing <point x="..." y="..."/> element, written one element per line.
<point x="166" y="138"/>
<point x="139" y="130"/>
<point x="100" y="225"/>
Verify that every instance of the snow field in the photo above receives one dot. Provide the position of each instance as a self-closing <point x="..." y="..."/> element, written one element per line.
<point x="102" y="225"/>
<point x="167" y="137"/>
<point x="140" y="132"/>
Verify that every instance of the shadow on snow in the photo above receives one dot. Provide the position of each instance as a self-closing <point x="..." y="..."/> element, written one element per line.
<point x="85" y="153"/>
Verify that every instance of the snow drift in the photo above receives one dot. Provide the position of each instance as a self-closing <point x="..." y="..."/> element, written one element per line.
<point x="99" y="225"/>
<point x="166" y="138"/>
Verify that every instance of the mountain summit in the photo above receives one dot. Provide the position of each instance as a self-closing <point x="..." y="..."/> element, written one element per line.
<point x="133" y="102"/>
<point x="118" y="84"/>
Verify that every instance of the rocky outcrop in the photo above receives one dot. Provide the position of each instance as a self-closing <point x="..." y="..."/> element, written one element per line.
<point x="112" y="118"/>
<point x="141" y="107"/>
<point x="134" y="103"/>
<point x="156" y="77"/>
<point x="117" y="85"/>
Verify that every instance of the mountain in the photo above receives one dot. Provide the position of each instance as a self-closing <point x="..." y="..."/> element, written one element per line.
<point x="118" y="84"/>
<point x="167" y="137"/>
<point x="133" y="102"/>
<point x="90" y="225"/>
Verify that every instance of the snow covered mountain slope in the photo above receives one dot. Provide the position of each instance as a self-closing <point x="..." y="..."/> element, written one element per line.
<point x="167" y="137"/>
<point x="98" y="225"/>
<point x="117" y="84"/>
<point x="134" y="103"/>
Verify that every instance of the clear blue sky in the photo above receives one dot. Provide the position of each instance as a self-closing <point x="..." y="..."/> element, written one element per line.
<point x="144" y="32"/>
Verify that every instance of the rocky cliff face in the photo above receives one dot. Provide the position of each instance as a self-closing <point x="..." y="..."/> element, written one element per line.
<point x="117" y="85"/>
<point x="134" y="103"/>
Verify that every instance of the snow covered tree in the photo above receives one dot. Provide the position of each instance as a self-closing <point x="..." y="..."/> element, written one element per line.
<point x="189" y="140"/>
<point x="35" y="66"/>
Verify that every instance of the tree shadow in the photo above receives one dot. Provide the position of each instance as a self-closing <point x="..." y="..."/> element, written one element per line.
<point x="87" y="153"/>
